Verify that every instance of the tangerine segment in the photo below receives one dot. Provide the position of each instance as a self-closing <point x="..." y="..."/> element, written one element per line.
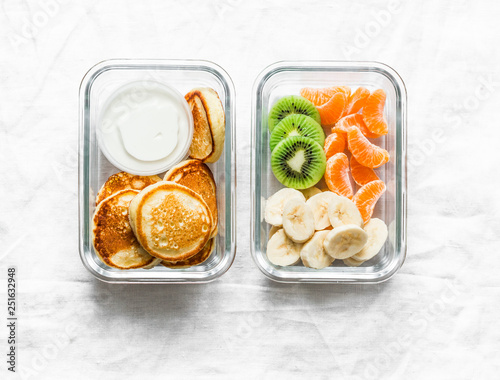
<point x="357" y="100"/>
<point x="366" y="198"/>
<point x="345" y="89"/>
<point x="319" y="96"/>
<point x="345" y="123"/>
<point x="333" y="109"/>
<point x="366" y="153"/>
<point x="365" y="131"/>
<point x="337" y="175"/>
<point x="335" y="143"/>
<point x="355" y="120"/>
<point x="373" y="113"/>
<point x="361" y="174"/>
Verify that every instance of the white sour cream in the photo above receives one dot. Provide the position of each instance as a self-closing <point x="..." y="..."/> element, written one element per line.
<point x="145" y="128"/>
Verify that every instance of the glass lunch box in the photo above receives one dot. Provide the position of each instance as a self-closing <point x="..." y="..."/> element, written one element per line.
<point x="100" y="82"/>
<point x="287" y="78"/>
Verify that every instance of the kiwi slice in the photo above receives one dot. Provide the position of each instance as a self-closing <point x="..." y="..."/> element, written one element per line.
<point x="289" y="105"/>
<point x="298" y="162"/>
<point x="297" y="125"/>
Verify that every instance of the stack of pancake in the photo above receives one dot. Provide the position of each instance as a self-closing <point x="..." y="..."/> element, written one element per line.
<point x="143" y="221"/>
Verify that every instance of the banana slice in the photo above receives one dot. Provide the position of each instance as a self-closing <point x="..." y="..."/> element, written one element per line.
<point x="319" y="206"/>
<point x="310" y="192"/>
<point x="350" y="262"/>
<point x="298" y="220"/>
<point x="377" y="235"/>
<point x="276" y="203"/>
<point x="272" y="231"/>
<point x="283" y="251"/>
<point x="313" y="253"/>
<point x="342" y="211"/>
<point x="345" y="241"/>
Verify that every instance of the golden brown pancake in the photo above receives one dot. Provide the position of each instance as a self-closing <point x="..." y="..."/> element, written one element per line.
<point x="209" y="124"/>
<point x="123" y="181"/>
<point x="197" y="259"/>
<point x="114" y="241"/>
<point x="198" y="177"/>
<point x="171" y="221"/>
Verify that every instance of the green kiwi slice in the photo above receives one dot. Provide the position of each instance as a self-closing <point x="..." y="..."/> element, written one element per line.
<point x="289" y="105"/>
<point x="297" y="125"/>
<point x="298" y="162"/>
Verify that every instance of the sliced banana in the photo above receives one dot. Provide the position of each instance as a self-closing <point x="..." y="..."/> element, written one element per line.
<point x="377" y="235"/>
<point x="276" y="203"/>
<point x="283" y="251"/>
<point x="313" y="253"/>
<point x="342" y="211"/>
<point x="298" y="221"/>
<point x="345" y="241"/>
<point x="310" y="192"/>
<point x="319" y="205"/>
<point x="272" y="231"/>
<point x="350" y="262"/>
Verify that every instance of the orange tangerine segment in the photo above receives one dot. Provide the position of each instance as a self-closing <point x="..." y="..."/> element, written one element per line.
<point x="366" y="153"/>
<point x="361" y="174"/>
<point x="344" y="124"/>
<point x="365" y="131"/>
<point x="333" y="109"/>
<point x="335" y="143"/>
<point x="357" y="100"/>
<point x="355" y="120"/>
<point x="345" y="89"/>
<point x="318" y="96"/>
<point x="373" y="113"/>
<point x="337" y="175"/>
<point x="366" y="198"/>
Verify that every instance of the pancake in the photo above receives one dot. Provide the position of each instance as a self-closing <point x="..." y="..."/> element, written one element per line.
<point x="123" y="181"/>
<point x="114" y="241"/>
<point x="197" y="259"/>
<point x="209" y="124"/>
<point x="198" y="177"/>
<point x="171" y="221"/>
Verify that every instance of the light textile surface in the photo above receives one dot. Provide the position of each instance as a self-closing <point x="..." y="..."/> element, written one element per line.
<point x="438" y="318"/>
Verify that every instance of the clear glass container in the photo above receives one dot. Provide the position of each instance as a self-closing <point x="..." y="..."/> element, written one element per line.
<point x="287" y="78"/>
<point x="97" y="86"/>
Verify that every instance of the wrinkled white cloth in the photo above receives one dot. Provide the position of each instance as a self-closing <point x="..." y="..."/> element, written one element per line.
<point x="439" y="317"/>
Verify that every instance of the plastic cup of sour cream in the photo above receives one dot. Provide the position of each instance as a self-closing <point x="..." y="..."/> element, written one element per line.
<point x="145" y="128"/>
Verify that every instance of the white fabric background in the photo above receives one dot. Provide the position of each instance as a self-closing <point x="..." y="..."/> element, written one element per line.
<point x="438" y="318"/>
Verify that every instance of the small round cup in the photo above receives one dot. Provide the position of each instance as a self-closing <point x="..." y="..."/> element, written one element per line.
<point x="107" y="134"/>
